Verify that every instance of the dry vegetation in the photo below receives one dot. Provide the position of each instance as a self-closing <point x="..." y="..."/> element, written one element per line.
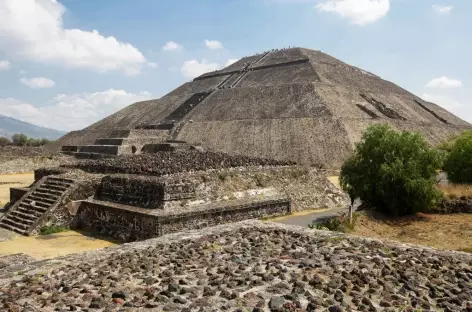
<point x="452" y="231"/>
<point x="456" y="190"/>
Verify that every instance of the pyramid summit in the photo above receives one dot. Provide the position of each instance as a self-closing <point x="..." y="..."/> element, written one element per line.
<point x="293" y="104"/>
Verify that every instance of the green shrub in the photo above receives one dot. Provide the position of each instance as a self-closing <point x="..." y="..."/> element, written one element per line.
<point x="53" y="229"/>
<point x="337" y="224"/>
<point x="393" y="172"/>
<point x="458" y="162"/>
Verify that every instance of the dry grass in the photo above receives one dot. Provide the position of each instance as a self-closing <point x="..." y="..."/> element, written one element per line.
<point x="452" y="231"/>
<point x="456" y="190"/>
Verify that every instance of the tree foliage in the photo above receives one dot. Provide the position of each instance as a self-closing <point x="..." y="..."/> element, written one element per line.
<point x="392" y="171"/>
<point x="458" y="161"/>
<point x="20" y="139"/>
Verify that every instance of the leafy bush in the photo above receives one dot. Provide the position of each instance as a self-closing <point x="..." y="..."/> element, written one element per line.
<point x="4" y="141"/>
<point x="458" y="162"/>
<point x="393" y="172"/>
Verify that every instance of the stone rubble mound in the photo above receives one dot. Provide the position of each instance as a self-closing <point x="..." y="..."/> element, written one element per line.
<point x="164" y="163"/>
<point x="250" y="266"/>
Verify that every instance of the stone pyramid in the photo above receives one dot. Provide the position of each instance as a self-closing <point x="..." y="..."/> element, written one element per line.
<point x="293" y="104"/>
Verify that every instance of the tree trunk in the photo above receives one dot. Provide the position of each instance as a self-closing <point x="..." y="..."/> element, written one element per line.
<point x="350" y="211"/>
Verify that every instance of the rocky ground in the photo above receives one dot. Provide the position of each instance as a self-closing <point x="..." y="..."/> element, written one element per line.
<point x="248" y="266"/>
<point x="20" y="159"/>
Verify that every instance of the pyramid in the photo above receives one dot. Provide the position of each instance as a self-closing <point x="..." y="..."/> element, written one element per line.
<point x="293" y="104"/>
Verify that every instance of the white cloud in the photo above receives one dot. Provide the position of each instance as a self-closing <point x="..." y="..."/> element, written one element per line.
<point x="213" y="44"/>
<point x="172" y="46"/>
<point x="72" y="111"/>
<point x="38" y="82"/>
<point x="444" y="83"/>
<point x="360" y="12"/>
<point x="34" y="30"/>
<point x="4" y="65"/>
<point x="152" y="64"/>
<point x="445" y="101"/>
<point x="194" y="68"/>
<point x="443" y="9"/>
<point x="230" y="61"/>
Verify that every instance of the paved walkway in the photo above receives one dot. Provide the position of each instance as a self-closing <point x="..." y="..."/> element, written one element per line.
<point x="304" y="218"/>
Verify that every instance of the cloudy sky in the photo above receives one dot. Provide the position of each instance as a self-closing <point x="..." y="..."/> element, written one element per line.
<point x="65" y="64"/>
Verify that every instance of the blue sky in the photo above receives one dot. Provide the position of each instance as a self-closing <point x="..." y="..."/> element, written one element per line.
<point x="65" y="64"/>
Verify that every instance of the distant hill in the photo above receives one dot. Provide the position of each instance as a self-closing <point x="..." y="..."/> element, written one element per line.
<point x="9" y="126"/>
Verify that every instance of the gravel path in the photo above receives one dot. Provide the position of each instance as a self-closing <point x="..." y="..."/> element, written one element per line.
<point x="247" y="266"/>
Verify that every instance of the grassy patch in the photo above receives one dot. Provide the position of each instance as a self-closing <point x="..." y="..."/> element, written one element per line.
<point x="469" y="250"/>
<point x="456" y="190"/>
<point x="53" y="229"/>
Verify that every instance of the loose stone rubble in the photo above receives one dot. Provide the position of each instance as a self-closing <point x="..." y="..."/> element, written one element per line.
<point x="170" y="162"/>
<point x="247" y="266"/>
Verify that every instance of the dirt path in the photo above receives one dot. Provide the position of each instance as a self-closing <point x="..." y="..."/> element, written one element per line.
<point x="50" y="246"/>
<point x="13" y="180"/>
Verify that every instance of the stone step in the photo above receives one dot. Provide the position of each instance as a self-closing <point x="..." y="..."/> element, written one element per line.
<point x="45" y="195"/>
<point x="110" y="141"/>
<point x="130" y="141"/>
<point x="21" y="220"/>
<point x="12" y="228"/>
<point x="37" y="203"/>
<point x="59" y="188"/>
<point x="82" y="155"/>
<point x="17" y="225"/>
<point x="58" y="184"/>
<point x="28" y="212"/>
<point x="41" y="198"/>
<point x="124" y="133"/>
<point x="106" y="149"/>
<point x="43" y="189"/>
<point x="30" y="208"/>
<point x="61" y="180"/>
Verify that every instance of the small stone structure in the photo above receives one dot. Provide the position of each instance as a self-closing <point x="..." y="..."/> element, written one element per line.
<point x="142" y="196"/>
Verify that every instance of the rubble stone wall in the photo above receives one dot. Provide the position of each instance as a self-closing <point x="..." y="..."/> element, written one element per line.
<point x="135" y="224"/>
<point x="202" y="219"/>
<point x="455" y="205"/>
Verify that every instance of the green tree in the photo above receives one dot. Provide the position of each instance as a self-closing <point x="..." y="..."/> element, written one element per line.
<point x="19" y="139"/>
<point x="393" y="172"/>
<point x="458" y="162"/>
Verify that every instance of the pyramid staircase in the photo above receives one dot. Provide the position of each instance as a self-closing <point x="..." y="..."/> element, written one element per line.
<point x="119" y="142"/>
<point x="32" y="210"/>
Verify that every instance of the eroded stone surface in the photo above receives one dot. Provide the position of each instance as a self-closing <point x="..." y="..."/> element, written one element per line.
<point x="248" y="266"/>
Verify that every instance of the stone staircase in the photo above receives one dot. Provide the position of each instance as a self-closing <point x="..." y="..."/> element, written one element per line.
<point x="27" y="214"/>
<point x="119" y="142"/>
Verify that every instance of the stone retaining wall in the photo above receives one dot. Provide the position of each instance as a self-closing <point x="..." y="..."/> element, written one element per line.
<point x="170" y="162"/>
<point x="144" y="191"/>
<point x="16" y="193"/>
<point x="130" y="223"/>
<point x="43" y="172"/>
<point x="455" y="205"/>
